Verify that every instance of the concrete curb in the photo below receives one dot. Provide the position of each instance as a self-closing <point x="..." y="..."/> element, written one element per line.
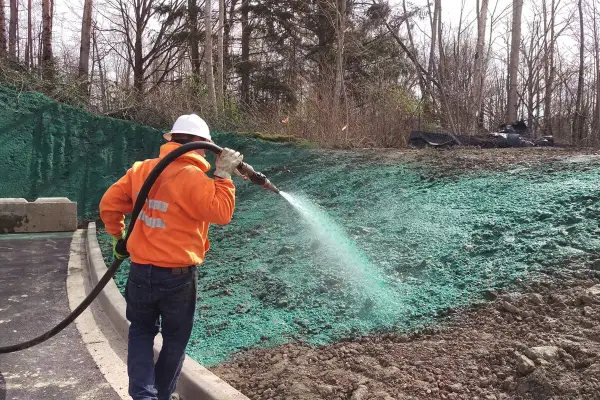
<point x="107" y="361"/>
<point x="195" y="382"/>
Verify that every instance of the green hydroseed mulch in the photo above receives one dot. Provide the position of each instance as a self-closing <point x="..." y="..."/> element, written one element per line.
<point x="381" y="248"/>
<point x="48" y="149"/>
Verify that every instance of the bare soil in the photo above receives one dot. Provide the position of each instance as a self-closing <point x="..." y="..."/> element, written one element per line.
<point x="542" y="342"/>
<point x="467" y="159"/>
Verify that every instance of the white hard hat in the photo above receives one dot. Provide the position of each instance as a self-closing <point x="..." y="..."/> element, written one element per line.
<point x="190" y="125"/>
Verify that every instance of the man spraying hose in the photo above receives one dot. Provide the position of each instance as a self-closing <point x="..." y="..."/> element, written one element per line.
<point x="169" y="241"/>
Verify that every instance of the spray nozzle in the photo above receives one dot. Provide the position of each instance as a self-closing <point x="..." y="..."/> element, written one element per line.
<point x="257" y="178"/>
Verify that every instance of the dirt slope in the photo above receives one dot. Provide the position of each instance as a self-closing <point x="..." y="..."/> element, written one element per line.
<point x="540" y="343"/>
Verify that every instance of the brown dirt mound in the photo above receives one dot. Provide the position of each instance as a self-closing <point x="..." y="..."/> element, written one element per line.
<point x="540" y="343"/>
<point x="465" y="159"/>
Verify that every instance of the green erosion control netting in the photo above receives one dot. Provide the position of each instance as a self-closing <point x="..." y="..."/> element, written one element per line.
<point x="49" y="149"/>
<point x="368" y="247"/>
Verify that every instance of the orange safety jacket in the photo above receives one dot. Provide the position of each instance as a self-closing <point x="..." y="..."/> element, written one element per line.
<point x="172" y="228"/>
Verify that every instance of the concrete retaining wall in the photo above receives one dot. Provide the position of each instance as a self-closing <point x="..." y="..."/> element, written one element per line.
<point x="46" y="214"/>
<point x="196" y="382"/>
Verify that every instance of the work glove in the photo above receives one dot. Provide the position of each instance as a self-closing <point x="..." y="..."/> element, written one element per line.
<point x="119" y="247"/>
<point x="227" y="162"/>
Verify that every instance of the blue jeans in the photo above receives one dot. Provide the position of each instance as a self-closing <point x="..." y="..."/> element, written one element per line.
<point x="158" y="298"/>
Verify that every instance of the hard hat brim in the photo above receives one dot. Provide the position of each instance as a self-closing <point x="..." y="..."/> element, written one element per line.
<point x="169" y="135"/>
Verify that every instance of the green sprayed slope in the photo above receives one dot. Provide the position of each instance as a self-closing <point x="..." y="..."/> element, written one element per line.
<point x="49" y="149"/>
<point x="410" y="247"/>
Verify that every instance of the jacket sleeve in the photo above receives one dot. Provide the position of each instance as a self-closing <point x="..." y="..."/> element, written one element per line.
<point x="206" y="199"/>
<point x="116" y="202"/>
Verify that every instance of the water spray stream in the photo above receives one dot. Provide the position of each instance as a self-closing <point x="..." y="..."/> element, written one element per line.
<point x="349" y="262"/>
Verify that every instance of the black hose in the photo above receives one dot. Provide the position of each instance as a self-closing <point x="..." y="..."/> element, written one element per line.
<point x="70" y="318"/>
<point x="139" y="203"/>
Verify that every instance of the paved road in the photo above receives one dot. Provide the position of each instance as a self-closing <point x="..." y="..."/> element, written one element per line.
<point x="33" y="298"/>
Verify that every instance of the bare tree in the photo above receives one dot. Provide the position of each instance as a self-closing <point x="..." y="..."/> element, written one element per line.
<point x="441" y="67"/>
<point x="434" y="21"/>
<point x="47" y="54"/>
<point x="208" y="55"/>
<point x="480" y="60"/>
<point x="230" y="19"/>
<point x="340" y="33"/>
<point x="29" y="44"/>
<point x="531" y="67"/>
<point x="413" y="47"/>
<point x="12" y="30"/>
<point x="84" y="49"/>
<point x="245" y="65"/>
<point x="429" y="76"/>
<point x="149" y="52"/>
<point x="596" y="119"/>
<point x="511" y="108"/>
<point x="549" y="70"/>
<point x="101" y="71"/>
<point x="221" y="56"/>
<point x="2" y="30"/>
<point x="579" y="118"/>
<point x="193" y="38"/>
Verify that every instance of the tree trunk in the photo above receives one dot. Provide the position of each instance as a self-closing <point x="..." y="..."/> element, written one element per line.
<point x="138" y="63"/>
<point x="29" y="46"/>
<point x="40" y="45"/>
<point x="597" y="62"/>
<point x="423" y="86"/>
<point x="434" y="21"/>
<point x="12" y="30"/>
<point x="2" y="30"/>
<point x="194" y="48"/>
<point x="479" y="63"/>
<point x="578" y="120"/>
<point x="511" y="108"/>
<point x="92" y="72"/>
<point x="549" y="70"/>
<point x="208" y="55"/>
<point x="47" y="56"/>
<point x="538" y="103"/>
<point x="221" y="55"/>
<point x="442" y="69"/>
<point x="560" y="105"/>
<point x="323" y="33"/>
<point x="531" y="87"/>
<point x="84" y="49"/>
<point x="100" y="72"/>
<point x="245" y="61"/>
<point x="339" y="67"/>
<point x="434" y="33"/>
<point x="456" y="46"/>
<point x="227" y="34"/>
